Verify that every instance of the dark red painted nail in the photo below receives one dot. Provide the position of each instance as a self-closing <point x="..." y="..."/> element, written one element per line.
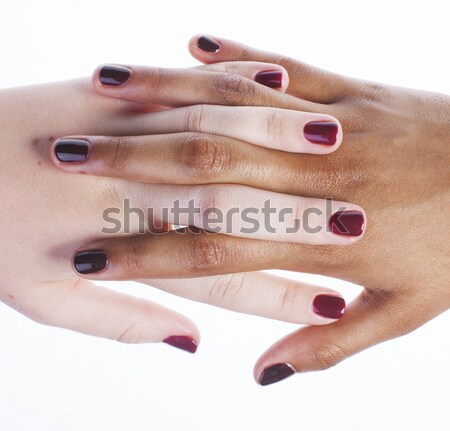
<point x="329" y="306"/>
<point x="72" y="150"/>
<point x="114" y="75"/>
<point x="207" y="44"/>
<point x="182" y="342"/>
<point x="349" y="223"/>
<point x="90" y="261"/>
<point x="275" y="373"/>
<point x="321" y="132"/>
<point x="272" y="79"/>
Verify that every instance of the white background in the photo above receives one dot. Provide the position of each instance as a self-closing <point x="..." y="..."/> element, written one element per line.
<point x="52" y="379"/>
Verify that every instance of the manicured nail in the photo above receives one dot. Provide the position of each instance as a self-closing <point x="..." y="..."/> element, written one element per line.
<point x="272" y="79"/>
<point x="114" y="75"/>
<point x="207" y="44"/>
<point x="321" y="132"/>
<point x="329" y="306"/>
<point x="182" y="342"/>
<point x="350" y="223"/>
<point x="90" y="261"/>
<point x="72" y="150"/>
<point x="275" y="373"/>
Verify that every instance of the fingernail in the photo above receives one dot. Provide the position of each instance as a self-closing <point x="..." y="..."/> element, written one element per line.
<point x="350" y="223"/>
<point x="207" y="44"/>
<point x="114" y="75"/>
<point x="321" y="132"/>
<point x="72" y="150"/>
<point x="182" y="342"/>
<point x="329" y="306"/>
<point x="272" y="79"/>
<point x="90" y="261"/>
<point x="275" y="373"/>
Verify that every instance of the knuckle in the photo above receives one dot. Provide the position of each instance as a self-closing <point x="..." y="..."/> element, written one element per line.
<point x="155" y="79"/>
<point x="288" y="299"/>
<point x="275" y="122"/>
<point x="109" y="194"/>
<point x="375" y="92"/>
<point x="234" y="89"/>
<point x="118" y="150"/>
<point x="204" y="157"/>
<point x="195" y="118"/>
<point x="295" y="68"/>
<point x="207" y="253"/>
<point x="244" y="53"/>
<point x="213" y="197"/>
<point x="327" y="355"/>
<point x="131" y="334"/>
<point x="226" y="289"/>
<point x="132" y="258"/>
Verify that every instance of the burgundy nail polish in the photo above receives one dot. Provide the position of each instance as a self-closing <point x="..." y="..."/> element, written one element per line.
<point x="329" y="306"/>
<point x="350" y="223"/>
<point x="272" y="79"/>
<point x="275" y="373"/>
<point x="90" y="261"/>
<point x="72" y="150"/>
<point x="182" y="342"/>
<point x="207" y="44"/>
<point x="321" y="132"/>
<point x="114" y="75"/>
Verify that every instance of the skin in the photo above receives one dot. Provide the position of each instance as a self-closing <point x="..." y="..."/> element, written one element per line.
<point x="394" y="162"/>
<point x="49" y="213"/>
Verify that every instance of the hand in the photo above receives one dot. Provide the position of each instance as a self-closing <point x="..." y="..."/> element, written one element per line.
<point x="395" y="143"/>
<point x="47" y="214"/>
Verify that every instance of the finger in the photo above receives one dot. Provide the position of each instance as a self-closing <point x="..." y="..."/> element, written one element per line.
<point x="269" y="75"/>
<point x="81" y="306"/>
<point x="281" y="129"/>
<point x="260" y="294"/>
<point x="184" y="158"/>
<point x="238" y="211"/>
<point x="369" y="320"/>
<point x="252" y="293"/>
<point x="183" y="87"/>
<point x="253" y="213"/>
<point x="306" y="82"/>
<point x="197" y="253"/>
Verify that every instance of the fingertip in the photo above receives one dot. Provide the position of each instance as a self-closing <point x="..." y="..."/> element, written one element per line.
<point x="273" y="76"/>
<point x="347" y="223"/>
<point x="69" y="151"/>
<point x="205" y="48"/>
<point x="323" y="133"/>
<point x="328" y="307"/>
<point x="109" y="77"/>
<point x="90" y="262"/>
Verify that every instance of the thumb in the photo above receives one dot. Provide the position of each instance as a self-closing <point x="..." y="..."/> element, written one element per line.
<point x="374" y="317"/>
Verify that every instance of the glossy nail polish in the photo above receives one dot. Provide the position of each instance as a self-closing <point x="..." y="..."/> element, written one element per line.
<point x="329" y="306"/>
<point x="72" y="150"/>
<point x="112" y="75"/>
<point x="182" y="342"/>
<point x="90" y="261"/>
<point x="207" y="44"/>
<point x="275" y="373"/>
<point x="321" y="132"/>
<point x="350" y="223"/>
<point x="272" y="79"/>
